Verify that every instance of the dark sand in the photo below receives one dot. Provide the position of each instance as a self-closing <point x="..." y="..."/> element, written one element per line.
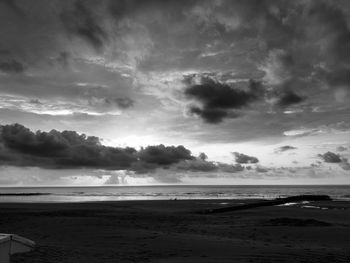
<point x="171" y="231"/>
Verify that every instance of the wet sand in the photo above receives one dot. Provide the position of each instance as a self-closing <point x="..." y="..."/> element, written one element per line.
<point x="173" y="231"/>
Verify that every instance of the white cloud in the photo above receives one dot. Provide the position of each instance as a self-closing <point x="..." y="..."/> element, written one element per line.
<point x="54" y="108"/>
<point x="333" y="128"/>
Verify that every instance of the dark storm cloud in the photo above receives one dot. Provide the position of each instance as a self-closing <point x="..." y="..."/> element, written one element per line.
<point x="21" y="147"/>
<point x="164" y="155"/>
<point x="11" y="66"/>
<point x="330" y="157"/>
<point x="284" y="148"/>
<point x="289" y="98"/>
<point x="210" y="115"/>
<point x="81" y="21"/>
<point x="61" y="149"/>
<point x="243" y="158"/>
<point x="69" y="150"/>
<point x="218" y="99"/>
<point x="197" y="165"/>
<point x="200" y="165"/>
<point x="217" y="95"/>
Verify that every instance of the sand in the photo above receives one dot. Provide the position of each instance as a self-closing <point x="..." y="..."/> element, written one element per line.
<point x="172" y="231"/>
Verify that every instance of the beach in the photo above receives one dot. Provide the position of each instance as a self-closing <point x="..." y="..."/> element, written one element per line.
<point x="176" y="231"/>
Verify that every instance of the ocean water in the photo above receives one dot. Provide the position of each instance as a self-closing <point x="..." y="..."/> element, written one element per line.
<point x="120" y="193"/>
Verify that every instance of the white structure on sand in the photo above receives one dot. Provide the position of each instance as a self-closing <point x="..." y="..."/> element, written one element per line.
<point x="11" y="244"/>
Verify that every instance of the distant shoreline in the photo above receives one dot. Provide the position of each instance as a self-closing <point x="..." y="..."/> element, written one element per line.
<point x="172" y="185"/>
<point x="75" y="194"/>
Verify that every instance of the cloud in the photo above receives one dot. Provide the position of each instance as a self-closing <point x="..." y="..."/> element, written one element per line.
<point x="333" y="32"/>
<point x="284" y="148"/>
<point x="218" y="99"/>
<point x="11" y="4"/>
<point x="260" y="169"/>
<point x="294" y="49"/>
<point x="345" y="165"/>
<point x="341" y="148"/>
<point x="21" y="147"/>
<point x="102" y="104"/>
<point x="11" y="66"/>
<point x="202" y="156"/>
<point x="288" y="99"/>
<point x="81" y="21"/>
<point x="229" y="168"/>
<point x="305" y="51"/>
<point x="122" y="103"/>
<point x="60" y="149"/>
<point x="330" y="157"/>
<point x="210" y="115"/>
<point x="278" y="67"/>
<point x="196" y="165"/>
<point x="282" y="78"/>
<point x="164" y="155"/>
<point x="338" y="127"/>
<point x="63" y="59"/>
<point x="243" y="158"/>
<point x="200" y="165"/>
<point x="90" y="105"/>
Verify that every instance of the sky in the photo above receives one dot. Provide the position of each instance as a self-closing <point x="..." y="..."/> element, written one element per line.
<point x="164" y="92"/>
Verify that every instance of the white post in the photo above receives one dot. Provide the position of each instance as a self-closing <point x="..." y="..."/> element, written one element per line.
<point x="5" y="248"/>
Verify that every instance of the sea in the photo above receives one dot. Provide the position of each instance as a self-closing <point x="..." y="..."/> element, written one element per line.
<point x="167" y="192"/>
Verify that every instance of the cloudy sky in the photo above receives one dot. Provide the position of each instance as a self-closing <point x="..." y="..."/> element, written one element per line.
<point x="164" y="91"/>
